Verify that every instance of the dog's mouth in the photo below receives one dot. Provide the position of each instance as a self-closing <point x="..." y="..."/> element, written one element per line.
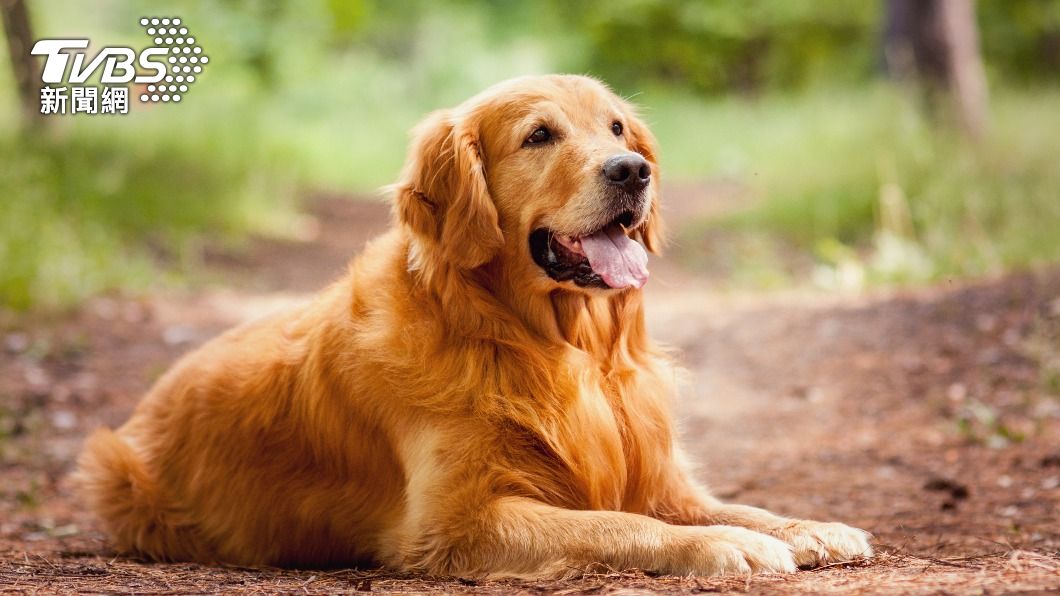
<point x="605" y="258"/>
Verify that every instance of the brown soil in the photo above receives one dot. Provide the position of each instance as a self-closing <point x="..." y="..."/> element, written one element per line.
<point x="930" y="417"/>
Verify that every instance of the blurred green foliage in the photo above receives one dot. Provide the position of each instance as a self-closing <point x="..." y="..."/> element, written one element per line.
<point x="101" y="205"/>
<point x="871" y="188"/>
<point x="1021" y="39"/>
<point x="726" y="45"/>
<point x="767" y="45"/>
<point x="779" y="96"/>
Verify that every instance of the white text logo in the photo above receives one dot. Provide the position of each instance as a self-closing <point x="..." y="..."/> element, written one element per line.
<point x="167" y="68"/>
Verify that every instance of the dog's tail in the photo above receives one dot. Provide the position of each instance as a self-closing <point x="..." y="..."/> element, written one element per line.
<point x="119" y="488"/>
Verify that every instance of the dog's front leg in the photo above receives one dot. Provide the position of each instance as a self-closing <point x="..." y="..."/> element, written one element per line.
<point x="815" y="543"/>
<point x="520" y="537"/>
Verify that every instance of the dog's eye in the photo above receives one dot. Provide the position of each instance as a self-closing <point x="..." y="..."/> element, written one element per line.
<point x="616" y="127"/>
<point x="541" y="135"/>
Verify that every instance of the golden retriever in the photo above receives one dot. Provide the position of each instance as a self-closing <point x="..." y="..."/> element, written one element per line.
<point x="476" y="397"/>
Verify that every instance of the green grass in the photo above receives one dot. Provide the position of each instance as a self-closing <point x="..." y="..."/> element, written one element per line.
<point x="84" y="212"/>
<point x="871" y="188"/>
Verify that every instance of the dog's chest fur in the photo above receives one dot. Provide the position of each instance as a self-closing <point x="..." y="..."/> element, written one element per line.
<point x="603" y="447"/>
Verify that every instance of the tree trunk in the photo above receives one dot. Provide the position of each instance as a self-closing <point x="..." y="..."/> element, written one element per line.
<point x="967" y="78"/>
<point x="936" y="44"/>
<point x="24" y="66"/>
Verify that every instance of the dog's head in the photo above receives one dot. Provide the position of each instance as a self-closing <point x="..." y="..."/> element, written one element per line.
<point x="553" y="175"/>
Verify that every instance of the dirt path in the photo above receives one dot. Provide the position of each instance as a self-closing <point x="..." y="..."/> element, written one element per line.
<point x="929" y="417"/>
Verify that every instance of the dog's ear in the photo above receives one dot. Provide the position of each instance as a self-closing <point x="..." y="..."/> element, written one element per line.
<point x="442" y="195"/>
<point x="652" y="231"/>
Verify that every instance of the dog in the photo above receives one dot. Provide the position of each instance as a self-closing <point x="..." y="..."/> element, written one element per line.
<point x="476" y="397"/>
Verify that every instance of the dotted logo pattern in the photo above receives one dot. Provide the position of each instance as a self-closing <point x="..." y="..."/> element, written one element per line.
<point x="186" y="59"/>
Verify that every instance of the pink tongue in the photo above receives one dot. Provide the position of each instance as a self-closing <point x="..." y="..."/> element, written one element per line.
<point x="620" y="261"/>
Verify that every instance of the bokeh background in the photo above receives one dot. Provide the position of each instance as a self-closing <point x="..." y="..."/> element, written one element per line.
<point x="822" y="142"/>
<point x="863" y="280"/>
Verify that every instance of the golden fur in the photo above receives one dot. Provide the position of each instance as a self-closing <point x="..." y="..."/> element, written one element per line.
<point x="446" y="407"/>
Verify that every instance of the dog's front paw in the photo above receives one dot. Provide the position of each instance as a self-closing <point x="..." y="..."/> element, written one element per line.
<point x="725" y="550"/>
<point x="820" y="543"/>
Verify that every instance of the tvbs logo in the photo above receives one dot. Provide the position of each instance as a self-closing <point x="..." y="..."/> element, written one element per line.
<point x="164" y="70"/>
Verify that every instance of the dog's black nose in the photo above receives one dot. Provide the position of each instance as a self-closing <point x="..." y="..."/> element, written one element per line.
<point x="628" y="170"/>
